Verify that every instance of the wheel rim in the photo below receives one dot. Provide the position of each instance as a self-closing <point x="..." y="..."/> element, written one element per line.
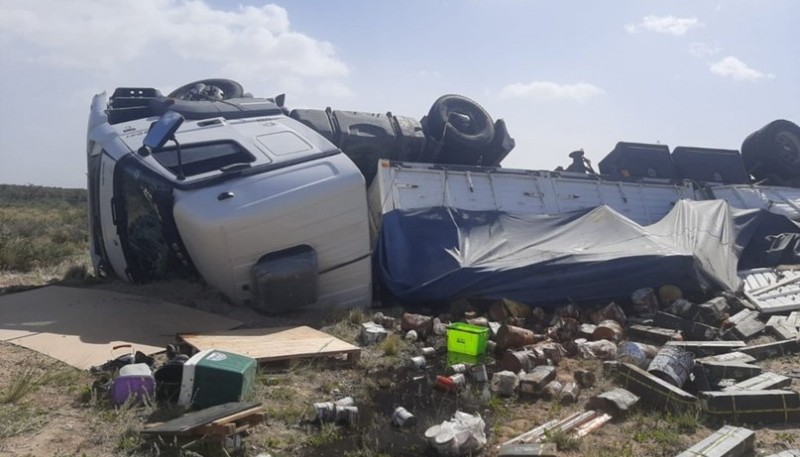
<point x="788" y="147"/>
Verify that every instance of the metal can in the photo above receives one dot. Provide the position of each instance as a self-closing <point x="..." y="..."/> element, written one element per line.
<point x="401" y="417"/>
<point x="459" y="381"/>
<point x="419" y="362"/>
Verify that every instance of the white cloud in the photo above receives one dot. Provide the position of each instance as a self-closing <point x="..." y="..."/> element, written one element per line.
<point x="703" y="50"/>
<point x="669" y="25"/>
<point x="247" y="42"/>
<point x="545" y="90"/>
<point x="731" y="67"/>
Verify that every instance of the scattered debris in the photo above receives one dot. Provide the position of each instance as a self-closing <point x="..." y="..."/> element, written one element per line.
<point x="535" y="381"/>
<point x="728" y="441"/>
<point x="764" y="381"/>
<point x="585" y="378"/>
<point x="552" y="389"/>
<point x="372" y="333"/>
<point x="569" y="393"/>
<point x="617" y="399"/>
<point x="785" y="327"/>
<point x="214" y="423"/>
<point x="760" y="406"/>
<point x="775" y="349"/>
<point x="423" y="325"/>
<point x="214" y="377"/>
<point x="134" y="381"/>
<point x="402" y="418"/>
<point x="512" y="337"/>
<point x="461" y="435"/>
<point x="652" y="389"/>
<point x="657" y="335"/>
<point x="528" y="449"/>
<point x="745" y="324"/>
<point x="706" y="348"/>
<point x="504" y="383"/>
<point x="772" y="290"/>
<point x="672" y="364"/>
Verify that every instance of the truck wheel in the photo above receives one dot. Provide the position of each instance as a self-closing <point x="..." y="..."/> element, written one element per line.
<point x="459" y="121"/>
<point x="229" y="88"/>
<point x="773" y="150"/>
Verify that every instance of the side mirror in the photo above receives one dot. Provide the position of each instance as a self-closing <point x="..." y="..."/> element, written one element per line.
<point x="162" y="130"/>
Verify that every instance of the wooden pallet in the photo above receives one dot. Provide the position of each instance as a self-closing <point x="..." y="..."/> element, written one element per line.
<point x="215" y="423"/>
<point x="273" y="344"/>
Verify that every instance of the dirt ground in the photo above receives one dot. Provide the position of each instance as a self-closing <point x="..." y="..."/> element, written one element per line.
<point x="47" y="408"/>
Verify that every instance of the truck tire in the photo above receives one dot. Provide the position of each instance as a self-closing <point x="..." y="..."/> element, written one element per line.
<point x="459" y="121"/>
<point x="229" y="87"/>
<point x="773" y="150"/>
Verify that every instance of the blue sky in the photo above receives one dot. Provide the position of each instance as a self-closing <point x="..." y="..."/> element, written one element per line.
<point x="563" y="74"/>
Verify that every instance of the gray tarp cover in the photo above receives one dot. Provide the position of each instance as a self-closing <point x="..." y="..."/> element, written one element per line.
<point x="441" y="254"/>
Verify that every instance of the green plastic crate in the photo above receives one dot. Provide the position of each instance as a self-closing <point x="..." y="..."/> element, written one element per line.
<point x="467" y="339"/>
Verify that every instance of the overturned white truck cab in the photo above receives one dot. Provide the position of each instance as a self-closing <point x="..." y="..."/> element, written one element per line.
<point x="264" y="208"/>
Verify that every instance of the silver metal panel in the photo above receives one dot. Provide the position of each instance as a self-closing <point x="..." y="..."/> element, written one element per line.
<point x="412" y="186"/>
<point x="772" y="290"/>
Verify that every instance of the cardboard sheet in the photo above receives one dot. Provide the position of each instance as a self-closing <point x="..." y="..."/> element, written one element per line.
<point x="271" y="344"/>
<point x="81" y="326"/>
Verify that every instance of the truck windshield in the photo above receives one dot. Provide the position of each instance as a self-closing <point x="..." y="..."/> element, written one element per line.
<point x="202" y="158"/>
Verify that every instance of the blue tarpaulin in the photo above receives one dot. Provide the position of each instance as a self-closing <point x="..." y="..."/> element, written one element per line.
<point x="441" y="254"/>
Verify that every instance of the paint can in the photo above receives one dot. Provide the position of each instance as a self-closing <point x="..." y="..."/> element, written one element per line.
<point x="672" y="364"/>
<point x="585" y="378"/>
<point x="459" y="381"/>
<point x="516" y="361"/>
<point x="444" y="383"/>
<point x="324" y="411"/>
<point x="511" y="337"/>
<point x="478" y="373"/>
<point x="347" y="415"/>
<point x="346" y="401"/>
<point x="457" y="368"/>
<point x="638" y="354"/>
<point x="402" y="418"/>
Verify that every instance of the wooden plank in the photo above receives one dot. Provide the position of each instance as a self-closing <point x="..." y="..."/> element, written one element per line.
<point x="215" y="415"/>
<point x="82" y="326"/>
<point x="533" y="434"/>
<point x="272" y="344"/>
<point x="726" y="442"/>
<point x="528" y="449"/>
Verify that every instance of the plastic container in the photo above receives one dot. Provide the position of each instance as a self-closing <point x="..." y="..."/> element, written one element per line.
<point x="213" y="377"/>
<point x="710" y="165"/>
<point x="467" y="339"/>
<point x="638" y="160"/>
<point x="134" y="380"/>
